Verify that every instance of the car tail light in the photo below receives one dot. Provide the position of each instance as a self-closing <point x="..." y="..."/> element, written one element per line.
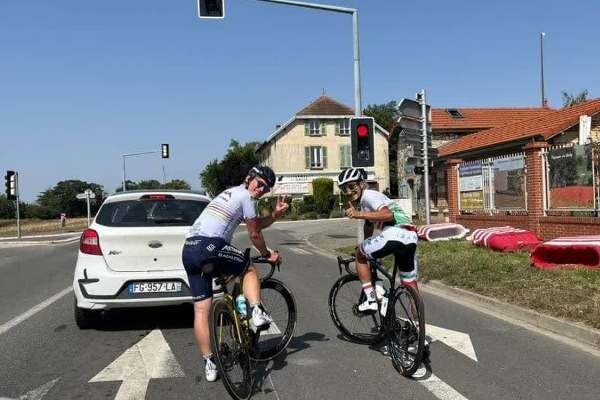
<point x="90" y="243"/>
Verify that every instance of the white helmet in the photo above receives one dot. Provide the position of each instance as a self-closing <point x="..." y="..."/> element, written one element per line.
<point x="351" y="175"/>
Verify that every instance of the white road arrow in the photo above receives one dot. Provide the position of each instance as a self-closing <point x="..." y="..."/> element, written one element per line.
<point x="459" y="341"/>
<point x="150" y="358"/>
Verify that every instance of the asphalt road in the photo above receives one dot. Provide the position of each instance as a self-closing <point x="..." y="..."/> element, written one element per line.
<point x="44" y="355"/>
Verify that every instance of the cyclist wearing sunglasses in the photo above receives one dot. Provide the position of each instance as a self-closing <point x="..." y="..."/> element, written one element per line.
<point x="397" y="236"/>
<point x="209" y="240"/>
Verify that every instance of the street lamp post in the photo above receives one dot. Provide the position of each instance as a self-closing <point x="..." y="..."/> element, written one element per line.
<point x="164" y="151"/>
<point x="542" y="67"/>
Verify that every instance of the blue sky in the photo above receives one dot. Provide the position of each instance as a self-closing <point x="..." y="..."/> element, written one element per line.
<point x="82" y="82"/>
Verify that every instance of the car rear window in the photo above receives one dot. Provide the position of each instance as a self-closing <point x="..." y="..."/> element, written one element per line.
<point x="163" y="212"/>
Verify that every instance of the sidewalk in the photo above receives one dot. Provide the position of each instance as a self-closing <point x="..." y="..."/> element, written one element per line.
<point x="576" y="334"/>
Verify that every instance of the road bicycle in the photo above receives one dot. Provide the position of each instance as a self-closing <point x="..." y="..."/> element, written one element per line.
<point x="236" y="345"/>
<point x="400" y="322"/>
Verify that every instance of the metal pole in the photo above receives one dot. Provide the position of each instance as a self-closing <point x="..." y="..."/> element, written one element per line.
<point x="164" y="174"/>
<point x="425" y="156"/>
<point x="123" y="172"/>
<point x="18" y="213"/>
<point x="87" y="198"/>
<point x="345" y="10"/>
<point x="357" y="89"/>
<point x="542" y="66"/>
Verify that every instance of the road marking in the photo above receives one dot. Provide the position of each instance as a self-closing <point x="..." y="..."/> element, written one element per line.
<point x="34" y="310"/>
<point x="149" y="358"/>
<point x="459" y="341"/>
<point x="437" y="387"/>
<point x="273" y="330"/>
<point x="299" y="250"/>
<point x="36" y="394"/>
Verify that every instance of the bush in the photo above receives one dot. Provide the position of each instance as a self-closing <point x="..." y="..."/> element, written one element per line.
<point x="296" y="206"/>
<point x="266" y="205"/>
<point x="308" y="205"/>
<point x="323" y="194"/>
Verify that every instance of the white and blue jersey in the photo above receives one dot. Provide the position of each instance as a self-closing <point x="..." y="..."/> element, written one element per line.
<point x="224" y="213"/>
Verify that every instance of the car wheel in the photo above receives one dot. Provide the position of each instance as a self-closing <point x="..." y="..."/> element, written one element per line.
<point x="85" y="318"/>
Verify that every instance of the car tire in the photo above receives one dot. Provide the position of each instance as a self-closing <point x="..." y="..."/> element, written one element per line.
<point x="85" y="318"/>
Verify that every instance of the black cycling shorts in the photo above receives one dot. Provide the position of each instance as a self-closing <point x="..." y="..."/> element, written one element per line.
<point x="200" y="250"/>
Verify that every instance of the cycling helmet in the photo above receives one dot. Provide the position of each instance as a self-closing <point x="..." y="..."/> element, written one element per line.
<point x="264" y="172"/>
<point x="351" y="175"/>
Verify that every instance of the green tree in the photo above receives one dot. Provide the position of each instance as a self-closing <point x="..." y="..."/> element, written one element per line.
<point x="149" y="184"/>
<point x="231" y="171"/>
<point x="61" y="198"/>
<point x="176" y="184"/>
<point x="569" y="100"/>
<point x="386" y="116"/>
<point x="7" y="208"/>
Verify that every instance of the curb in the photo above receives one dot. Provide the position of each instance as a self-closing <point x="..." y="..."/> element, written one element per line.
<point x="574" y="333"/>
<point x="43" y="236"/>
<point x="23" y="243"/>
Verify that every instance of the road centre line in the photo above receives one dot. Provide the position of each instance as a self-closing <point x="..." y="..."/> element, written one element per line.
<point x="441" y="389"/>
<point x="34" y="310"/>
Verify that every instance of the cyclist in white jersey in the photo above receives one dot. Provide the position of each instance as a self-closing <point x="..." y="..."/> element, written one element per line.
<point x="209" y="240"/>
<point x="396" y="237"/>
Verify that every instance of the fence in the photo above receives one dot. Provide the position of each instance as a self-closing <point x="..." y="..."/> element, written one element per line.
<point x="493" y="185"/>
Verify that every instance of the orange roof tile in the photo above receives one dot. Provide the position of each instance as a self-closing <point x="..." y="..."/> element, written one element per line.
<point x="547" y="125"/>
<point x="482" y="118"/>
<point x="324" y="105"/>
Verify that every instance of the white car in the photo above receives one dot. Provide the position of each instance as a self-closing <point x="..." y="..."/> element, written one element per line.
<point x="130" y="255"/>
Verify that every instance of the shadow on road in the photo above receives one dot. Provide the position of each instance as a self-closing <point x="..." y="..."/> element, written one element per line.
<point x="167" y="317"/>
<point x="297" y="344"/>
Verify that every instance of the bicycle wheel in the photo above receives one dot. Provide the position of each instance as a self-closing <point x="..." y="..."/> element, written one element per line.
<point x="406" y="332"/>
<point x="279" y="302"/>
<point x="344" y="298"/>
<point x="231" y="355"/>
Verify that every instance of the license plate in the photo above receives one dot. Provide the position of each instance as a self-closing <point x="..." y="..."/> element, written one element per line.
<point x="154" y="287"/>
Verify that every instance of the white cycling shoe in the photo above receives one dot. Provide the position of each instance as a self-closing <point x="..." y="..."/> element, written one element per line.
<point x="368" y="306"/>
<point x="260" y="318"/>
<point x="210" y="370"/>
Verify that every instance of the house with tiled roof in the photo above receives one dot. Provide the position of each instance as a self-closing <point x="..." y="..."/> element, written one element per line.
<point x="535" y="162"/>
<point x="314" y="143"/>
<point x="452" y="124"/>
<point x="553" y="127"/>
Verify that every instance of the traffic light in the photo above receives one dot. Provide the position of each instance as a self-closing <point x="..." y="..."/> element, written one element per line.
<point x="11" y="185"/>
<point x="164" y="150"/>
<point x="363" y="141"/>
<point x="211" y="8"/>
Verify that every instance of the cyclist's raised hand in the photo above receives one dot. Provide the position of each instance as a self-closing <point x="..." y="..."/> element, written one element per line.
<point x="280" y="207"/>
<point x="352" y="212"/>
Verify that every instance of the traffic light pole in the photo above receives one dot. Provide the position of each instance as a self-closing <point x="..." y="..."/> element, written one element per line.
<point x="425" y="155"/>
<point x="135" y="154"/>
<point x="344" y="10"/>
<point x="18" y="213"/>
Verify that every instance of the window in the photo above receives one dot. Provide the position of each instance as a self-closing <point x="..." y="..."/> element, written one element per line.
<point x="315" y="157"/>
<point x="345" y="156"/>
<point x="169" y="212"/>
<point x="343" y="127"/>
<point x="454" y="113"/>
<point x="314" y="127"/>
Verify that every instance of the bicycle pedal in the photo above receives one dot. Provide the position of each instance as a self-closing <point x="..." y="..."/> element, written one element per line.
<point x="258" y="329"/>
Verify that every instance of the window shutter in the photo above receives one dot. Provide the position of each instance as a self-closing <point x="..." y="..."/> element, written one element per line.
<point x="323" y="128"/>
<point x="307" y="157"/>
<point x="341" y="147"/>
<point x="324" y="153"/>
<point x="306" y="128"/>
<point x="338" y="127"/>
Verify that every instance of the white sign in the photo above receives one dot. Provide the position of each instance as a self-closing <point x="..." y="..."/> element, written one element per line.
<point x="291" y="188"/>
<point x="471" y="183"/>
<point x="585" y="129"/>
<point x="150" y="358"/>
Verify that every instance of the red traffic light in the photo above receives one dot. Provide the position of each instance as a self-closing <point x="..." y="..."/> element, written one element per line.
<point x="362" y="130"/>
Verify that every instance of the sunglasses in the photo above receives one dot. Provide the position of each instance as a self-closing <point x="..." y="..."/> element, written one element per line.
<point x="262" y="186"/>
<point x="350" y="188"/>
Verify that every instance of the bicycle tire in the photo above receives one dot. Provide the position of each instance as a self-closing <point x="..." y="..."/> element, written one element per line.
<point x="279" y="302"/>
<point x="343" y="309"/>
<point x="405" y="331"/>
<point x="232" y="354"/>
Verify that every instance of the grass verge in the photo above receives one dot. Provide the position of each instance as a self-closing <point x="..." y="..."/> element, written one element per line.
<point x="40" y="226"/>
<point x="572" y="294"/>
